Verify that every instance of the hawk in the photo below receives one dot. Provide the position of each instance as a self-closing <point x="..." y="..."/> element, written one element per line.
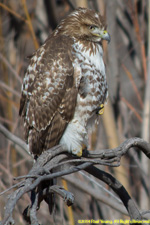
<point x="65" y="84"/>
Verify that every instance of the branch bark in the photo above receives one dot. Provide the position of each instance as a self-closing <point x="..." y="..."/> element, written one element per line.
<point x="57" y="162"/>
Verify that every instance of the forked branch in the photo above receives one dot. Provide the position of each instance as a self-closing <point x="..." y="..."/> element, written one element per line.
<point x="57" y="162"/>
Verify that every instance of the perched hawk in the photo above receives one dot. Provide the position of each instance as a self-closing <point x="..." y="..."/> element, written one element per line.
<point x="65" y="84"/>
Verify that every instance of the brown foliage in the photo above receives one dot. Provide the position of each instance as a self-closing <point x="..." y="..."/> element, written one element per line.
<point x="24" y="25"/>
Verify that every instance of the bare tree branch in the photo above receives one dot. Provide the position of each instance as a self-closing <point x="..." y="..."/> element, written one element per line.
<point x="15" y="140"/>
<point x="96" y="194"/>
<point x="57" y="162"/>
<point x="118" y="189"/>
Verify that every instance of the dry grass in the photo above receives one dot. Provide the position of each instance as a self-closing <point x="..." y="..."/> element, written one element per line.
<point x="21" y="29"/>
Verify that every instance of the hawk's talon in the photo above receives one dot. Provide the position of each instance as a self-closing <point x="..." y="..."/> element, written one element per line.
<point x="101" y="109"/>
<point x="79" y="152"/>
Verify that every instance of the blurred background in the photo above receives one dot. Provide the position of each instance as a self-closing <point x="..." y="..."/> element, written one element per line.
<point x="24" y="25"/>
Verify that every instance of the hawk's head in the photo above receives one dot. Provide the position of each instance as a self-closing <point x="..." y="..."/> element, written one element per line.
<point x="84" y="24"/>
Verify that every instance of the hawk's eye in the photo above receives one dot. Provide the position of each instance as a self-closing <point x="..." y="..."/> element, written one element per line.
<point x="92" y="27"/>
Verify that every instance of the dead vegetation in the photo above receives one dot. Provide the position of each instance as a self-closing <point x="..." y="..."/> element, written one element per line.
<point x="24" y="25"/>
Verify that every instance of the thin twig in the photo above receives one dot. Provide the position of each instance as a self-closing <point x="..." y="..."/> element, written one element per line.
<point x="132" y="109"/>
<point x="30" y="24"/>
<point x="9" y="66"/>
<point x="5" y="86"/>
<point x="133" y="85"/>
<point x="12" y="12"/>
<point x="13" y="186"/>
<point x="14" y="138"/>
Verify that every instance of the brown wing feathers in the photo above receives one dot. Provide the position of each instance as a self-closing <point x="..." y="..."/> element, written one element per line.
<point x="48" y="104"/>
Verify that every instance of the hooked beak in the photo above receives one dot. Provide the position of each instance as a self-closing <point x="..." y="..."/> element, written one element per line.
<point x="106" y="36"/>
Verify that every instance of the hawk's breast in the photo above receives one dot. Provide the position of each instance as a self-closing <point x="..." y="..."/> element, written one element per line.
<point x="93" y="86"/>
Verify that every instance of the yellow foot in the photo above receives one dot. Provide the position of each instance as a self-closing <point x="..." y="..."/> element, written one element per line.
<point x="101" y="110"/>
<point x="78" y="152"/>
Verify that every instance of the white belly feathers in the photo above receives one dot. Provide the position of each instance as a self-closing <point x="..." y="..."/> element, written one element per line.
<point x="91" y="70"/>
